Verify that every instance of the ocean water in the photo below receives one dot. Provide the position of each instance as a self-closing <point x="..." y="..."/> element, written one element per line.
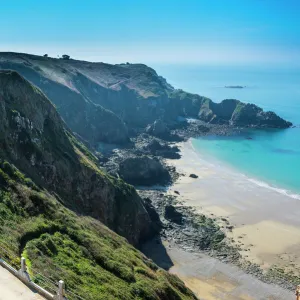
<point x="271" y="157"/>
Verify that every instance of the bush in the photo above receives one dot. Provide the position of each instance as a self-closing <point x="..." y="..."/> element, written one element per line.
<point x="65" y="56"/>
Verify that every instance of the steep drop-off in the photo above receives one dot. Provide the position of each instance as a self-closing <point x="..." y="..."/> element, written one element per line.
<point x="95" y="263"/>
<point x="101" y="102"/>
<point x="50" y="186"/>
<point x="34" y="138"/>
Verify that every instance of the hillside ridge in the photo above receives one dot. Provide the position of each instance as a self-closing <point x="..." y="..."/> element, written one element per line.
<point x="56" y="204"/>
<point x="110" y="103"/>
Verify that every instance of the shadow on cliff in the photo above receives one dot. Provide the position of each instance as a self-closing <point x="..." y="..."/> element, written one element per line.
<point x="155" y="250"/>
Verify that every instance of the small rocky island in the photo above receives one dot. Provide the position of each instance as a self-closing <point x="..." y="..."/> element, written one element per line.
<point x="234" y="86"/>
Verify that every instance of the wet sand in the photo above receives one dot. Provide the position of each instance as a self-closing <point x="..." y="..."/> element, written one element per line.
<point x="211" y="279"/>
<point x="266" y="223"/>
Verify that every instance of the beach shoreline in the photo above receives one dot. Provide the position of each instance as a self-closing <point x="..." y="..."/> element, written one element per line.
<point x="257" y="213"/>
<point x="262" y="223"/>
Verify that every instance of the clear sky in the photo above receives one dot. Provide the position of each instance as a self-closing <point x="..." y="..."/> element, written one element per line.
<point x="155" y="31"/>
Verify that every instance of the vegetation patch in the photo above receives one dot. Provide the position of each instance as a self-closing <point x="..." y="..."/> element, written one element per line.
<point x="94" y="262"/>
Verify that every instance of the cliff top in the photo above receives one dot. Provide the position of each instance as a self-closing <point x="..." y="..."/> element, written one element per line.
<point x="137" y="77"/>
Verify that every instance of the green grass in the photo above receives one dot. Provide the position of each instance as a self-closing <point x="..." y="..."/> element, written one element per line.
<point x="238" y="108"/>
<point x="82" y="148"/>
<point x="94" y="262"/>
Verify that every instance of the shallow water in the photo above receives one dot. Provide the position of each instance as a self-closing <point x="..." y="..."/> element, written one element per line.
<point x="271" y="157"/>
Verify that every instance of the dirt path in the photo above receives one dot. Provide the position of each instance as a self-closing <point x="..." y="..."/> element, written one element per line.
<point x="12" y="288"/>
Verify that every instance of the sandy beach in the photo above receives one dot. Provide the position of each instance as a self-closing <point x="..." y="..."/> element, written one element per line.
<point x="211" y="279"/>
<point x="266" y="221"/>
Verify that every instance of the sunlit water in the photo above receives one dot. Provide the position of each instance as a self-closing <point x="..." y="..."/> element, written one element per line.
<point x="270" y="157"/>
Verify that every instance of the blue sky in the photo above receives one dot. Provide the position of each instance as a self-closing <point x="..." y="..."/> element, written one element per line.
<point x="155" y="31"/>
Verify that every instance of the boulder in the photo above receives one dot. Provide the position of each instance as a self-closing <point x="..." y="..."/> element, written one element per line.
<point x="158" y="148"/>
<point x="172" y="214"/>
<point x="144" y="170"/>
<point x="194" y="176"/>
<point x="159" y="129"/>
<point x="154" y="145"/>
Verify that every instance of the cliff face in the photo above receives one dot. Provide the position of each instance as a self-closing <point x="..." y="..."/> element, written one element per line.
<point x="45" y="176"/>
<point x="35" y="139"/>
<point x="100" y="102"/>
<point x="86" y="118"/>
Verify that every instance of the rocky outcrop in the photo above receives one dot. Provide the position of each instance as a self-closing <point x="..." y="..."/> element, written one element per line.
<point x="252" y="115"/>
<point x="35" y="139"/>
<point x="159" y="129"/>
<point x="148" y="145"/>
<point x="154" y="216"/>
<point x="103" y="102"/>
<point x="172" y="214"/>
<point x="234" y="112"/>
<point x="144" y="170"/>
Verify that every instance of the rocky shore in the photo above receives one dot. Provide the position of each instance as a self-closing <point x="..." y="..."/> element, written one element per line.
<point x="183" y="227"/>
<point x="178" y="224"/>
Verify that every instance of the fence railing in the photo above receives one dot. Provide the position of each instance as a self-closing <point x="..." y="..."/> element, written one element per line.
<point x="51" y="290"/>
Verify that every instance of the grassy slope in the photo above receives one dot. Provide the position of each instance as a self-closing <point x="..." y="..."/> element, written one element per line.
<point x="94" y="262"/>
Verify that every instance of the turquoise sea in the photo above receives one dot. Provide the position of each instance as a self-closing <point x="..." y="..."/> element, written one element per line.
<point x="272" y="157"/>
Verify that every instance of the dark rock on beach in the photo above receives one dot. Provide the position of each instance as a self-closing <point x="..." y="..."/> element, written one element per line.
<point x="172" y="214"/>
<point x="194" y="176"/>
<point x="146" y="144"/>
<point x="144" y="170"/>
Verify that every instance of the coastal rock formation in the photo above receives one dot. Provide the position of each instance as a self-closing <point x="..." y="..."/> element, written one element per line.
<point x="50" y="186"/>
<point x="35" y="139"/>
<point x="153" y="146"/>
<point x="236" y="113"/>
<point x="102" y="102"/>
<point x="234" y="86"/>
<point x="172" y="214"/>
<point x="250" y="114"/>
<point x="143" y="170"/>
<point x="159" y="129"/>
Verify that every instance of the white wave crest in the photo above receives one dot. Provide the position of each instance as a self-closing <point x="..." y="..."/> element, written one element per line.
<point x="276" y="189"/>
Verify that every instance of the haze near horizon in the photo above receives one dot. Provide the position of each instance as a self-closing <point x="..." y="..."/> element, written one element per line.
<point x="154" y="32"/>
